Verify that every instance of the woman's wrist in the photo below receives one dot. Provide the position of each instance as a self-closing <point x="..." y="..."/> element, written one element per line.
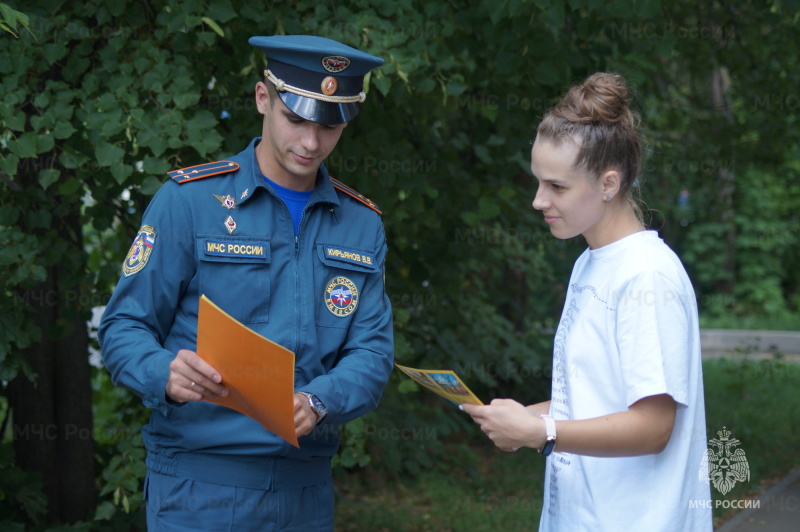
<point x="537" y="432"/>
<point x="539" y="408"/>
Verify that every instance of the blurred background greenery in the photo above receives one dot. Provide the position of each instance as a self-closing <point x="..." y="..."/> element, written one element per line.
<point x="99" y="98"/>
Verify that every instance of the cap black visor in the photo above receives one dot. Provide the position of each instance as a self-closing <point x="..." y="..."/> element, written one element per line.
<point x="326" y="113"/>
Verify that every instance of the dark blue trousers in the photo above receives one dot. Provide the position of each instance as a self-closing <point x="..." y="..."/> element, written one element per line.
<point x="221" y="494"/>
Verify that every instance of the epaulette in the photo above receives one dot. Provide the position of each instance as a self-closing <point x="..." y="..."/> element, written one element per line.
<point x="355" y="195"/>
<point x="192" y="173"/>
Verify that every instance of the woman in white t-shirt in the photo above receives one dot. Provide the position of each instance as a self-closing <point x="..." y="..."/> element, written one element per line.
<point x="626" y="420"/>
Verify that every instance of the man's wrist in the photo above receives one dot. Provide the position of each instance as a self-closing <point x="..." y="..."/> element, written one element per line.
<point x="316" y="405"/>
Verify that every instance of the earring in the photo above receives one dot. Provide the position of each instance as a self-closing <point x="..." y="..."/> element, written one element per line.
<point x="608" y="197"/>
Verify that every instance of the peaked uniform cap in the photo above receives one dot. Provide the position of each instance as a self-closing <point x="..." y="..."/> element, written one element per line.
<point x="318" y="79"/>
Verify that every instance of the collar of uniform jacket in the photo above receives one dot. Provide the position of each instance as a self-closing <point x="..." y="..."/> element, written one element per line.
<point x="249" y="178"/>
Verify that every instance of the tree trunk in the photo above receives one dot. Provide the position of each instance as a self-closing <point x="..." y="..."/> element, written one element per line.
<point x="52" y="418"/>
<point x="726" y="186"/>
<point x="73" y="409"/>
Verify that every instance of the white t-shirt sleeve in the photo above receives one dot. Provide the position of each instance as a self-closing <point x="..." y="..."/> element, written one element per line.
<point x="653" y="337"/>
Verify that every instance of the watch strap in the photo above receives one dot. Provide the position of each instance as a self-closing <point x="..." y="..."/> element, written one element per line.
<point x="312" y="400"/>
<point x="550" y="432"/>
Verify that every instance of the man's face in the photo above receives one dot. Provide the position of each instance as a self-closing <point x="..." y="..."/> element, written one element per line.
<point x="292" y="148"/>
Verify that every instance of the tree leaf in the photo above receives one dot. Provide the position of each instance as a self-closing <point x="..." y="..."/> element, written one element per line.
<point x="24" y="146"/>
<point x="150" y="185"/>
<point x="45" y="143"/>
<point x="9" y="164"/>
<point x="71" y="159"/>
<point x="63" y="130"/>
<point x="214" y="26"/>
<point x="121" y="172"/>
<point x="15" y="120"/>
<point x="221" y="10"/>
<point x="108" y="154"/>
<point x="70" y="186"/>
<point x="383" y="84"/>
<point x="105" y="511"/>
<point x="48" y="177"/>
<point x="482" y="152"/>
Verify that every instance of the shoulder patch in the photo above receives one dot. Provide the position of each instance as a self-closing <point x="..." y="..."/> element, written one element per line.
<point x="338" y="185"/>
<point x="140" y="251"/>
<point x="192" y="173"/>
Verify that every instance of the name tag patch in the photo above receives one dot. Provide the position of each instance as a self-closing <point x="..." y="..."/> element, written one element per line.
<point x="217" y="248"/>
<point x="350" y="256"/>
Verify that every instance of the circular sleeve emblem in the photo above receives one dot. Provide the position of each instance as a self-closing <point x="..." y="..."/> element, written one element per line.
<point x="140" y="251"/>
<point x="341" y="296"/>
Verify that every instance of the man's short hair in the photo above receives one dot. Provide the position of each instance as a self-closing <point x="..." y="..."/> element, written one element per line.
<point x="273" y="93"/>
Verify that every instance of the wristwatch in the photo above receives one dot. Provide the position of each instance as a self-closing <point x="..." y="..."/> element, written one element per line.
<point x="316" y="405"/>
<point x="550" y="442"/>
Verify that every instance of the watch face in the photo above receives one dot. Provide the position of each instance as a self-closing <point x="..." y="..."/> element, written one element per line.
<point x="318" y="405"/>
<point x="548" y="447"/>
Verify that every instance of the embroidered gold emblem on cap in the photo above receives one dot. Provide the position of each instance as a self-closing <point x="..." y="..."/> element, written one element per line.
<point x="335" y="63"/>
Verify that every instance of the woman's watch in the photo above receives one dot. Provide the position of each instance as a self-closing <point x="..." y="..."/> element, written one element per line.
<point x="550" y="441"/>
<point x="317" y="406"/>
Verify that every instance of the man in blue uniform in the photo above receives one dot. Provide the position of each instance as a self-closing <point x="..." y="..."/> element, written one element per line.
<point x="273" y="240"/>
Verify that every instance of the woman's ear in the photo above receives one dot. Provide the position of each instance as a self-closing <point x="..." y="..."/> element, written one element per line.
<point x="611" y="182"/>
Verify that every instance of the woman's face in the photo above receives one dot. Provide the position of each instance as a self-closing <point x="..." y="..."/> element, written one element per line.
<point x="571" y="201"/>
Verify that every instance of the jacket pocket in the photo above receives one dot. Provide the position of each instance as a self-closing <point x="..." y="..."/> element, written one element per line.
<point x="234" y="274"/>
<point x="340" y="273"/>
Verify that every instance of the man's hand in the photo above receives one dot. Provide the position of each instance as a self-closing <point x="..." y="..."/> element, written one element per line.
<point x="192" y="379"/>
<point x="305" y="419"/>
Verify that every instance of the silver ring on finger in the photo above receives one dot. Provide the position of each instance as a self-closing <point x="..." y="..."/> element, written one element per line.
<point x="193" y="385"/>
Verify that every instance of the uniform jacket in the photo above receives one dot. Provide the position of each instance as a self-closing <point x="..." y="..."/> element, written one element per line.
<point x="296" y="291"/>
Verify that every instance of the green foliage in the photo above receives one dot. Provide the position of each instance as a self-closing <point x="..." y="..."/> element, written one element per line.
<point x="765" y="245"/>
<point x="9" y="19"/>
<point x="738" y="392"/>
<point x="353" y="438"/>
<point x="494" y="491"/>
<point x="21" y="276"/>
<point x="721" y="111"/>
<point x="118" y="418"/>
<point x="20" y="493"/>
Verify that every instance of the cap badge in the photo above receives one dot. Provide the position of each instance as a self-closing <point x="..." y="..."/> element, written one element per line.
<point x="335" y="63"/>
<point x="329" y="85"/>
<point x="227" y="201"/>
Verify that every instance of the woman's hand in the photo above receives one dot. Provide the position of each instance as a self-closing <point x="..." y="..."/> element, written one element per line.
<point x="509" y="424"/>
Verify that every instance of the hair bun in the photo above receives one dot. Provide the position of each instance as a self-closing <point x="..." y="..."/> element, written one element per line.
<point x="601" y="99"/>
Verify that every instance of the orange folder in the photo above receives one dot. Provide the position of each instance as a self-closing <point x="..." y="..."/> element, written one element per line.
<point x="258" y="373"/>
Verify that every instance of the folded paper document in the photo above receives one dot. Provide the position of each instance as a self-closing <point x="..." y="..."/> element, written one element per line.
<point x="258" y="373"/>
<point x="442" y="382"/>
